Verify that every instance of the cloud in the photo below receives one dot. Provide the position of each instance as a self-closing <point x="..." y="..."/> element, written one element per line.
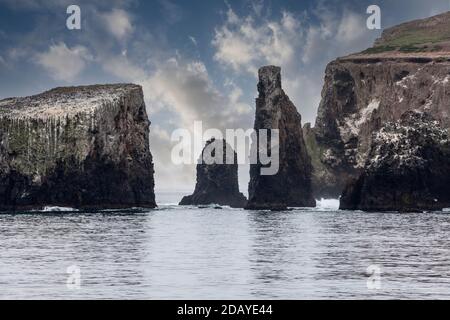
<point x="246" y="43"/>
<point x="338" y="32"/>
<point x="118" y="23"/>
<point x="121" y="67"/>
<point x="64" y="63"/>
<point x="302" y="43"/>
<point x="193" y="40"/>
<point x="350" y="29"/>
<point x="184" y="87"/>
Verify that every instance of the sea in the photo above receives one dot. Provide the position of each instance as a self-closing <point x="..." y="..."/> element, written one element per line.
<point x="213" y="253"/>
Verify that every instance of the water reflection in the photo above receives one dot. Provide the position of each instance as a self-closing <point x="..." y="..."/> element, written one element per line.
<point x="191" y="253"/>
<point x="38" y="249"/>
<point x="281" y="253"/>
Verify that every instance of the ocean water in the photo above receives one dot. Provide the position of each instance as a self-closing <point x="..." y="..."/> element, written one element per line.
<point x="190" y="253"/>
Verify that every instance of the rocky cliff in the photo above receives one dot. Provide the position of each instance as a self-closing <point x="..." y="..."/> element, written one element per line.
<point x="82" y="147"/>
<point x="217" y="178"/>
<point x="291" y="185"/>
<point x="408" y="168"/>
<point x="407" y="69"/>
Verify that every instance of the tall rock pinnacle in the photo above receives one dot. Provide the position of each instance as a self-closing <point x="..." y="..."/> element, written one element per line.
<point x="291" y="185"/>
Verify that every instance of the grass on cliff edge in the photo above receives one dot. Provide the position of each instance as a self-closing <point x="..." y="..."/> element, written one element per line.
<point x="411" y="41"/>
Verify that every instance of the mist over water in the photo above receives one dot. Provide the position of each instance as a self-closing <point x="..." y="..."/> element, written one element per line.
<point x="189" y="253"/>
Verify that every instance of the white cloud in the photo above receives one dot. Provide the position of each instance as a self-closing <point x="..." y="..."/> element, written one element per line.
<point x="245" y="44"/>
<point x="193" y="40"/>
<point x="186" y="89"/>
<point x="350" y="29"/>
<point x="236" y="99"/>
<point x="118" y="23"/>
<point x="64" y="63"/>
<point x="121" y="67"/>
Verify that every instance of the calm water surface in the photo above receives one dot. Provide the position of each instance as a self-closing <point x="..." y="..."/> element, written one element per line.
<point x="190" y="253"/>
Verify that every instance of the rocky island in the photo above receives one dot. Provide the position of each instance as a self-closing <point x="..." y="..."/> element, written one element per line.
<point x="217" y="183"/>
<point x="408" y="168"/>
<point x="291" y="185"/>
<point x="407" y="69"/>
<point x="80" y="147"/>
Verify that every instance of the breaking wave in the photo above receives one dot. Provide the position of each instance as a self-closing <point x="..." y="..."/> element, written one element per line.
<point x="327" y="205"/>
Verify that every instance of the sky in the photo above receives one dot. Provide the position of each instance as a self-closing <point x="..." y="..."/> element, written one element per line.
<point x="196" y="60"/>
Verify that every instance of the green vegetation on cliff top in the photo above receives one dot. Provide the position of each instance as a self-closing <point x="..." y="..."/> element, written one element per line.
<point x="427" y="35"/>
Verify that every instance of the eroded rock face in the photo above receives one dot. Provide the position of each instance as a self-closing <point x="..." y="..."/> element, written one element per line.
<point x="82" y="147"/>
<point x="408" y="168"/>
<point x="359" y="96"/>
<point x="291" y="186"/>
<point x="407" y="69"/>
<point x="217" y="183"/>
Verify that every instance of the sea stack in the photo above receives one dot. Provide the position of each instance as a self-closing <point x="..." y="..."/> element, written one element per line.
<point x="291" y="185"/>
<point x="217" y="178"/>
<point x="408" y="168"/>
<point x="80" y="147"/>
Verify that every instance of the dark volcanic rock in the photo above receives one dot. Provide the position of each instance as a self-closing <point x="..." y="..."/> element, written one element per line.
<point x="81" y="147"/>
<point x="325" y="183"/>
<point x="364" y="91"/>
<point x="408" y="168"/>
<point x="217" y="183"/>
<point x="291" y="186"/>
